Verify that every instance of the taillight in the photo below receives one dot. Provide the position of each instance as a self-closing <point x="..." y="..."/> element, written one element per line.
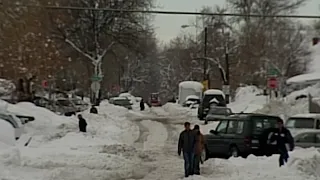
<point x="247" y="141"/>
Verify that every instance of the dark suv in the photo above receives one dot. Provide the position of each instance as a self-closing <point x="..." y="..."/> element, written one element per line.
<point x="240" y="135"/>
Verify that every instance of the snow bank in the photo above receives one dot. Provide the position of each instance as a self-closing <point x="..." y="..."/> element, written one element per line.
<point x="291" y="106"/>
<point x="7" y="136"/>
<point x="6" y="87"/>
<point x="248" y="99"/>
<point x="58" y="151"/>
<point x="303" y="164"/>
<point x="315" y="56"/>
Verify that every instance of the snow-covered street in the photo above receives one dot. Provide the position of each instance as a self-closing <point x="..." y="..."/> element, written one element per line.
<point x="124" y="144"/>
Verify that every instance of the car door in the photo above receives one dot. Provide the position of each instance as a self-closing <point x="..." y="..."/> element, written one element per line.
<point x="317" y="144"/>
<point x="216" y="141"/>
<point x="234" y="135"/>
<point x="306" y="140"/>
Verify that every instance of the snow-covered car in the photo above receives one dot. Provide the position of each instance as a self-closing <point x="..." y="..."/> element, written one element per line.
<point x="191" y="100"/>
<point x="14" y="121"/>
<point x="206" y="101"/>
<point x="80" y="104"/>
<point x="121" y="101"/>
<point x="302" y="122"/>
<point x="216" y="113"/>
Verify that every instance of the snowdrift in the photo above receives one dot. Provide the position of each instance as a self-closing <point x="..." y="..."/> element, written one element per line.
<point x="58" y="151"/>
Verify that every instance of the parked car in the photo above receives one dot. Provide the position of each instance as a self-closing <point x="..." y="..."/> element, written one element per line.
<point x="80" y="104"/>
<point x="191" y="100"/>
<point x="216" y="113"/>
<point x="302" y="122"/>
<point x="154" y="100"/>
<point x="240" y="135"/>
<point x="14" y="121"/>
<point x="62" y="106"/>
<point x="209" y="96"/>
<point x="307" y="139"/>
<point x="121" y="101"/>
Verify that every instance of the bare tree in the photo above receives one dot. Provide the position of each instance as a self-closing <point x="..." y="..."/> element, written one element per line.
<point x="93" y="33"/>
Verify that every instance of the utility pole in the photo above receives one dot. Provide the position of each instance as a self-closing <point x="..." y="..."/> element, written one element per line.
<point x="205" y="60"/>
<point x="227" y="82"/>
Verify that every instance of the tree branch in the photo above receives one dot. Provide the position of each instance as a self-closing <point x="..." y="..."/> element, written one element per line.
<point x="79" y="50"/>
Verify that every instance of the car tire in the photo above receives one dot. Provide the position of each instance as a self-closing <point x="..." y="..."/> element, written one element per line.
<point x="205" y="154"/>
<point x="234" y="151"/>
<point x="205" y="121"/>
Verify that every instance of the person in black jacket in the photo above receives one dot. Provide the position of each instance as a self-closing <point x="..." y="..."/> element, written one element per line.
<point x="284" y="141"/>
<point x="82" y="124"/>
<point x="142" y="105"/>
<point x="93" y="110"/>
<point x="187" y="144"/>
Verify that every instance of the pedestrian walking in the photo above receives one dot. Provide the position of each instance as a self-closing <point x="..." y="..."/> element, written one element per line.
<point x="82" y="124"/>
<point x="198" y="149"/>
<point x="284" y="142"/>
<point x="187" y="146"/>
<point x="142" y="105"/>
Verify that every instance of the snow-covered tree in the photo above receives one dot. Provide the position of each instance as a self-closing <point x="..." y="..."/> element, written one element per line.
<point x="93" y="33"/>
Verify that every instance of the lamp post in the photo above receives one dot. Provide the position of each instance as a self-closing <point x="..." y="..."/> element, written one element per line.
<point x="205" y="61"/>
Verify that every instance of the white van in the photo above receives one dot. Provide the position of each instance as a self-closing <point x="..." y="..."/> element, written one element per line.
<point x="14" y="121"/>
<point x="302" y="122"/>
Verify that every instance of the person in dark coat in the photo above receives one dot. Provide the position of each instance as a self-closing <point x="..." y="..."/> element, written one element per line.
<point x="82" y="124"/>
<point x="93" y="110"/>
<point x="142" y="105"/>
<point x="198" y="149"/>
<point x="284" y="142"/>
<point x="187" y="141"/>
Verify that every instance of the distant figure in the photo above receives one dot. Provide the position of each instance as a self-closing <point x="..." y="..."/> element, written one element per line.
<point x="93" y="110"/>
<point x="142" y="105"/>
<point x="82" y="124"/>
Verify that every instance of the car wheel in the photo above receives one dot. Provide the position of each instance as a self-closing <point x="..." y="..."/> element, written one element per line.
<point x="205" y="121"/>
<point x="234" y="151"/>
<point x="205" y="154"/>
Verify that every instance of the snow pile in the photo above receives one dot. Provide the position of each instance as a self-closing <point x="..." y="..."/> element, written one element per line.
<point x="301" y="166"/>
<point x="58" y="151"/>
<point x="174" y="109"/>
<point x="291" y="106"/>
<point x="248" y="99"/>
<point x="6" y="87"/>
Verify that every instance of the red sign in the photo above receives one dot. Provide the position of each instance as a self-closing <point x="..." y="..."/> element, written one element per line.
<point x="44" y="83"/>
<point x="272" y="83"/>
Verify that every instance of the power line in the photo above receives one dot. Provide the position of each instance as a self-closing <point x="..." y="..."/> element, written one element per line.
<point x="163" y="12"/>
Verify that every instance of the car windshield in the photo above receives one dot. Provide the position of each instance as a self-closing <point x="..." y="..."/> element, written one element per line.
<point x="300" y="123"/>
<point x="122" y="102"/>
<point x="220" y="111"/>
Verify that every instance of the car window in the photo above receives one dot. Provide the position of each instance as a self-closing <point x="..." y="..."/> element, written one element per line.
<point x="317" y="138"/>
<point x="306" y="138"/>
<point x="304" y="123"/>
<point x="219" y="111"/>
<point x="260" y="123"/>
<point x="235" y="127"/>
<point x="222" y="127"/>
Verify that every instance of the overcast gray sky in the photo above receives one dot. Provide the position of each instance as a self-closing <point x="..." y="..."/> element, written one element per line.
<point x="168" y="26"/>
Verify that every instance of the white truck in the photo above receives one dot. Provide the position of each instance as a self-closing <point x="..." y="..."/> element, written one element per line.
<point x="187" y="88"/>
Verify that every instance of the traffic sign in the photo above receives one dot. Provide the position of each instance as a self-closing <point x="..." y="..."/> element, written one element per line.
<point x="95" y="86"/>
<point x="226" y="89"/>
<point x="205" y="84"/>
<point x="96" y="78"/>
<point x="272" y="83"/>
<point x="44" y="83"/>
